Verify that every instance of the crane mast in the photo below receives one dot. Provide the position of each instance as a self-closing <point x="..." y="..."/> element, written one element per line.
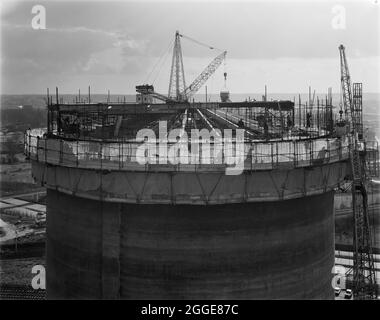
<point x="364" y="278"/>
<point x="177" y="83"/>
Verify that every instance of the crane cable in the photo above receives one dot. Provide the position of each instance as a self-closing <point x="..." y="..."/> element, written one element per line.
<point x="159" y="71"/>
<point x="225" y="72"/>
<point x="164" y="53"/>
<point x="341" y="112"/>
<point x="200" y="43"/>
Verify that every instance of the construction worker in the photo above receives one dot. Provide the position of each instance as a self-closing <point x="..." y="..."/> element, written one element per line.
<point x="308" y="120"/>
<point x="289" y="121"/>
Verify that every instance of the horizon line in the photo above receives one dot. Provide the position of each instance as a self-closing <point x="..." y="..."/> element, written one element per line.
<point x="85" y="94"/>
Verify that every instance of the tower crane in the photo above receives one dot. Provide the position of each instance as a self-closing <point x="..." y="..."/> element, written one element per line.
<point x="364" y="278"/>
<point x="178" y="91"/>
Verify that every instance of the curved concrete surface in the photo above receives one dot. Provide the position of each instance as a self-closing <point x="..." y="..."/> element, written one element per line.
<point x="261" y="250"/>
<point x="201" y="188"/>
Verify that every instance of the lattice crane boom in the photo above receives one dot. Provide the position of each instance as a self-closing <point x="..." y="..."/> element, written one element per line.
<point x="204" y="76"/>
<point x="345" y="84"/>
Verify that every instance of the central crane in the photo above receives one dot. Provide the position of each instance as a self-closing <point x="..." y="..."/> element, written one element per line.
<point x="178" y="91"/>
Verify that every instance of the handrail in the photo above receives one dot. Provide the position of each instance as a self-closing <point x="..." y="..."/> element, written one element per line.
<point x="121" y="155"/>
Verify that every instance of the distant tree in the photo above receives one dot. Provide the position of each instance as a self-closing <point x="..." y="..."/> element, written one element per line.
<point x="12" y="147"/>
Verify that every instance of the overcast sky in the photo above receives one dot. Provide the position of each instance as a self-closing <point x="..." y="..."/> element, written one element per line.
<point x="115" y="45"/>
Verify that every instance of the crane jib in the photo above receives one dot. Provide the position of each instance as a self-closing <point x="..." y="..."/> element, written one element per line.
<point x="205" y="75"/>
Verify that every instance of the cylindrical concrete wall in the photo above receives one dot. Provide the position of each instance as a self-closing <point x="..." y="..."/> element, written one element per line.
<point x="259" y="250"/>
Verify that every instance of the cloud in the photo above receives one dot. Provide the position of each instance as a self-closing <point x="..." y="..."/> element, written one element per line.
<point x="112" y="41"/>
<point x="132" y="47"/>
<point x="51" y="50"/>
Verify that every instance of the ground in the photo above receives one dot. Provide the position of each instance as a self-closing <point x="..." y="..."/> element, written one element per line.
<point x="16" y="262"/>
<point x="18" y="258"/>
<point x="19" y="271"/>
<point x="17" y="178"/>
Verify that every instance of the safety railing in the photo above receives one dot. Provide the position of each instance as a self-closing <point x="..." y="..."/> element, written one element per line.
<point x="184" y="156"/>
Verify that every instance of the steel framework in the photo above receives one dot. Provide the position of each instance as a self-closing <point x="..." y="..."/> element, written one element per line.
<point x="364" y="278"/>
<point x="358" y="108"/>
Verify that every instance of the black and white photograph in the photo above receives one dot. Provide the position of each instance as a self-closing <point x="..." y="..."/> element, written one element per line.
<point x="202" y="152"/>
